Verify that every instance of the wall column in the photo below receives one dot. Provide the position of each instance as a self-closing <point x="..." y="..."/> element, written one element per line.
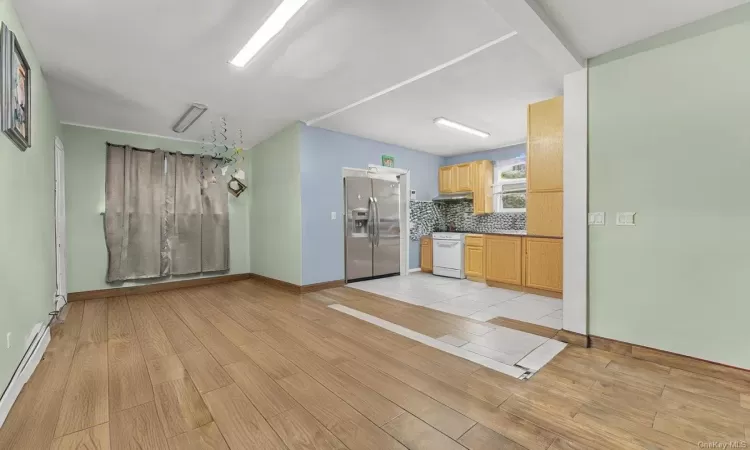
<point x="575" y="202"/>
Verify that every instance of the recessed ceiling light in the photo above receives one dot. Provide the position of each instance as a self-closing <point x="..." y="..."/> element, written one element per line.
<point x="191" y="115"/>
<point x="270" y="28"/>
<point x="457" y="126"/>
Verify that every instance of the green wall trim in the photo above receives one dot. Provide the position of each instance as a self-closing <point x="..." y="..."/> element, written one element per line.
<point x="733" y="16"/>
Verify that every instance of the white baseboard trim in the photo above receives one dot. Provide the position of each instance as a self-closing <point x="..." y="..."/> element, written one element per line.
<point x="418" y="269"/>
<point x="22" y="375"/>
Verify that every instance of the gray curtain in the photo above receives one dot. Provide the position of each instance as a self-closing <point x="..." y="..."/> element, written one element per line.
<point x="215" y="220"/>
<point x="186" y="239"/>
<point x="160" y="220"/>
<point x="134" y="212"/>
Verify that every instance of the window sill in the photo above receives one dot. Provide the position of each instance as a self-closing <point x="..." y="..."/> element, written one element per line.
<point x="511" y="210"/>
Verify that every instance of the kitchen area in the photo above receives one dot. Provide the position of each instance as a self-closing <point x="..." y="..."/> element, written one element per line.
<point x="490" y="252"/>
<point x="491" y="242"/>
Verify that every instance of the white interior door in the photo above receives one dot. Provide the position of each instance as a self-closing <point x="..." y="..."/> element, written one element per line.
<point x="61" y="292"/>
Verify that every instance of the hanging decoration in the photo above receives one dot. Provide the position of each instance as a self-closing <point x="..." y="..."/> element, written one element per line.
<point x="227" y="155"/>
<point x="236" y="187"/>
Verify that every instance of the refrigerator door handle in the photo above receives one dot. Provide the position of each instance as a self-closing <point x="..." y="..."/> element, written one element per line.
<point x="370" y="217"/>
<point x="377" y="222"/>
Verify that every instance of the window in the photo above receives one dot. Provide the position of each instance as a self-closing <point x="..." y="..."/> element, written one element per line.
<point x="509" y="188"/>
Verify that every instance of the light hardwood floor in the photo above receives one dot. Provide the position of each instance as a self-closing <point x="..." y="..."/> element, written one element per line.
<point x="248" y="366"/>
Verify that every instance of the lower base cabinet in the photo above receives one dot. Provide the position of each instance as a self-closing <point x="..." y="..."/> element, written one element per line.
<point x="425" y="254"/>
<point x="521" y="261"/>
<point x="474" y="258"/>
<point x="503" y="259"/>
<point x="543" y="264"/>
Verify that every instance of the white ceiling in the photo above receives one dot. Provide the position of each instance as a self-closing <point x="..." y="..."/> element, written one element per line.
<point x="489" y="91"/>
<point x="135" y="65"/>
<point x="598" y="26"/>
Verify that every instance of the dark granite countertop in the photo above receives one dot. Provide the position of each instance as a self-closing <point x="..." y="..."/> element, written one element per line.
<point x="502" y="233"/>
<point x="518" y="233"/>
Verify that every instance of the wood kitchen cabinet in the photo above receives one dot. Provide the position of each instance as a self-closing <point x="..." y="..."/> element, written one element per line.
<point x="474" y="257"/>
<point x="425" y="254"/>
<point x="474" y="177"/>
<point x="544" y="213"/>
<point x="543" y="259"/>
<point x="447" y="179"/>
<point x="483" y="175"/>
<point x="503" y="259"/>
<point x="464" y="177"/>
<point x="544" y="168"/>
<point x="544" y="161"/>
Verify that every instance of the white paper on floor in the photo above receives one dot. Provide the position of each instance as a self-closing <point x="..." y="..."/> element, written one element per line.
<point x="542" y="355"/>
<point x="512" y="371"/>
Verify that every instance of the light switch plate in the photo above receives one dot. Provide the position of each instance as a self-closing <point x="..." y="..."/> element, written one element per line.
<point x="333" y="215"/>
<point x="597" y="218"/>
<point x="626" y="219"/>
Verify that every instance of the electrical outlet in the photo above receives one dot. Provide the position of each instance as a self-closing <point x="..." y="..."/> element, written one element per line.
<point x="7" y="340"/>
<point x="626" y="219"/>
<point x="333" y="215"/>
<point x="597" y="218"/>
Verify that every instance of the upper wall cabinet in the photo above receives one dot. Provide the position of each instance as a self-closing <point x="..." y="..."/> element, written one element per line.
<point x="482" y="173"/>
<point x="464" y="177"/>
<point x="545" y="146"/>
<point x="447" y="179"/>
<point x="474" y="177"/>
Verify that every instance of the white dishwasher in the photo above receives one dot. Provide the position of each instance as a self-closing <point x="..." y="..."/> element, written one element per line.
<point x="448" y="254"/>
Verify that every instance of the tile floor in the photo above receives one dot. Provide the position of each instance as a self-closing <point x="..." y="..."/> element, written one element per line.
<point x="467" y="298"/>
<point x="511" y="348"/>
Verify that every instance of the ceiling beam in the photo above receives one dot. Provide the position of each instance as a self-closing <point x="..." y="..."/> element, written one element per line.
<point x="414" y="78"/>
<point x="533" y="25"/>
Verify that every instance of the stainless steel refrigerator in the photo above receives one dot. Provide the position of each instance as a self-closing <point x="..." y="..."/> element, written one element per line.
<point x="373" y="232"/>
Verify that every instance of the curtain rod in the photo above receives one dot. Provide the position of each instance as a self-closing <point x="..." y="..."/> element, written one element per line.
<point x="152" y="150"/>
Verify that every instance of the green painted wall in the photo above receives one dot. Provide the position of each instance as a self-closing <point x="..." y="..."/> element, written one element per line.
<point x="27" y="217"/>
<point x="669" y="138"/>
<point x="85" y="162"/>
<point x="276" y="207"/>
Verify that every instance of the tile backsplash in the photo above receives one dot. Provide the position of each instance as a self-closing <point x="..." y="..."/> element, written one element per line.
<point x="426" y="216"/>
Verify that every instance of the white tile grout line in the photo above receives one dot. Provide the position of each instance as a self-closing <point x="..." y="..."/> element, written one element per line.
<point x="515" y="372"/>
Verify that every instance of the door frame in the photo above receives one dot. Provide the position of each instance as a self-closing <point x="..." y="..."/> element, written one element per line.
<point x="575" y="203"/>
<point x="61" y="288"/>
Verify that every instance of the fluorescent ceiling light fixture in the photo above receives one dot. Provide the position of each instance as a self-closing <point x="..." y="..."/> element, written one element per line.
<point x="191" y="115"/>
<point x="270" y="28"/>
<point x="457" y="126"/>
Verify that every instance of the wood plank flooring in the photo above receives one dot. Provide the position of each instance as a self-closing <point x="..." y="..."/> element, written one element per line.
<point x="245" y="365"/>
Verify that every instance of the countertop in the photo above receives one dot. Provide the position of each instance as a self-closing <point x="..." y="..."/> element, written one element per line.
<point x="504" y="233"/>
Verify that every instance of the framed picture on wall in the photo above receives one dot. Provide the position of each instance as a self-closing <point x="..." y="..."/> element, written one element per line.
<point x="15" y="79"/>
